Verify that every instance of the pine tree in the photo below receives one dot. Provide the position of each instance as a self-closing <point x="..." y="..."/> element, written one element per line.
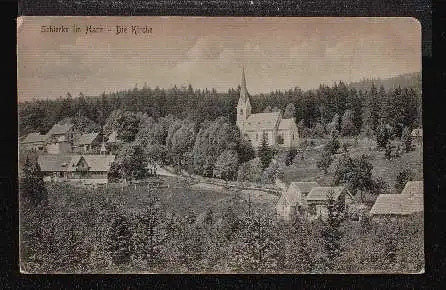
<point x="347" y="125"/>
<point x="332" y="234"/>
<point x="149" y="241"/>
<point x="407" y="140"/>
<point x="325" y="161"/>
<point x="226" y="165"/>
<point x="333" y="145"/>
<point x="32" y="187"/>
<point x="265" y="153"/>
<point x="119" y="240"/>
<point x="289" y="111"/>
<point x="388" y="152"/>
<point x="290" y="156"/>
<point x="382" y="136"/>
<point x="259" y="249"/>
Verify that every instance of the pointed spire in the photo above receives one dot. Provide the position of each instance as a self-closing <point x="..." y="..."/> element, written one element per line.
<point x="243" y="89"/>
<point x="243" y="85"/>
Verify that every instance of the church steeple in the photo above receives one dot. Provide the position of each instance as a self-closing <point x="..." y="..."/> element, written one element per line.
<point x="243" y="106"/>
<point x="243" y="89"/>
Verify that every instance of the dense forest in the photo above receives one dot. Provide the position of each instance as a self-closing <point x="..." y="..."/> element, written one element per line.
<point x="398" y="106"/>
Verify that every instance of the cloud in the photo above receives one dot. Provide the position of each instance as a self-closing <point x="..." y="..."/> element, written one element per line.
<point x="278" y="53"/>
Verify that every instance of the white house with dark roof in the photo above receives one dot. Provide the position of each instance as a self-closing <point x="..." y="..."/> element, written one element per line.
<point x="278" y="131"/>
<point x="87" y="169"/>
<point x="293" y="198"/>
<point x="34" y="142"/>
<point x="408" y="202"/>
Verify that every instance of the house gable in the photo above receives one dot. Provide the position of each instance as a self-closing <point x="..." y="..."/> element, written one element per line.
<point x="82" y="165"/>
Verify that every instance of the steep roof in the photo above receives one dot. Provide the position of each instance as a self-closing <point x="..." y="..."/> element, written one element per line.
<point x="293" y="193"/>
<point x="262" y="121"/>
<point x="54" y="163"/>
<point x="286" y="124"/>
<point x="34" y="138"/>
<point x="305" y="187"/>
<point x="59" y="129"/>
<point x="397" y="204"/>
<point x="413" y="188"/>
<point x="99" y="162"/>
<point x="320" y="193"/>
<point x="86" y="139"/>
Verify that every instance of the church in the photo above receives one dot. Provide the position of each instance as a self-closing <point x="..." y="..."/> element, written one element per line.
<point x="279" y="132"/>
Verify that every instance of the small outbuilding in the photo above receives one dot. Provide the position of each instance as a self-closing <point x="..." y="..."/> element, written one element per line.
<point x="293" y="198"/>
<point x="318" y="200"/>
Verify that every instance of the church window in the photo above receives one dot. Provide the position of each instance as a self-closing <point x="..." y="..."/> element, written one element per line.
<point x="293" y="136"/>
<point x="257" y="136"/>
<point x="241" y="111"/>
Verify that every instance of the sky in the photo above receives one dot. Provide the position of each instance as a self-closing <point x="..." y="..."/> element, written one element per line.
<point x="277" y="53"/>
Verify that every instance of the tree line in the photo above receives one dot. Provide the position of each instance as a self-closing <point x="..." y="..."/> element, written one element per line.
<point x="357" y="111"/>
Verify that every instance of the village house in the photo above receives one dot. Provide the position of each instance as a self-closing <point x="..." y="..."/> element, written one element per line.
<point x="293" y="199"/>
<point x="279" y="132"/>
<point x="87" y="169"/>
<point x="34" y="142"/>
<point x="88" y="142"/>
<point x="408" y="202"/>
<point x="417" y="135"/>
<point x="318" y="198"/>
<point x="60" y="139"/>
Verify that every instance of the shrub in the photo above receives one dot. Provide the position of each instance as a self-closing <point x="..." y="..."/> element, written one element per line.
<point x="250" y="171"/>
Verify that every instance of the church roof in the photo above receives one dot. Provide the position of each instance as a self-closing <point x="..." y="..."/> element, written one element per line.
<point x="286" y="124"/>
<point x="262" y="121"/>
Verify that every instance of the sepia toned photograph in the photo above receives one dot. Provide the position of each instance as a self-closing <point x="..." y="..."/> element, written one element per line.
<point x="220" y="145"/>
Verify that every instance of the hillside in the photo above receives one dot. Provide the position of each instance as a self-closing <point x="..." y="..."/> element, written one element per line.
<point x="409" y="80"/>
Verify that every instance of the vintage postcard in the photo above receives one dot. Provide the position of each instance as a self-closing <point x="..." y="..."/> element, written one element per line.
<point x="220" y="145"/>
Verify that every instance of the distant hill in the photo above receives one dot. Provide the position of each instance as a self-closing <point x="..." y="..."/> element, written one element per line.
<point x="409" y="80"/>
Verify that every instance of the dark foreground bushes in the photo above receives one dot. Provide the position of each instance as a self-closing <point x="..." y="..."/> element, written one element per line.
<point x="92" y="231"/>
